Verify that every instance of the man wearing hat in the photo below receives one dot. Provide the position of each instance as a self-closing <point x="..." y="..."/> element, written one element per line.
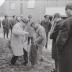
<point x="47" y="25"/>
<point x="64" y="42"/>
<point x="5" y="24"/>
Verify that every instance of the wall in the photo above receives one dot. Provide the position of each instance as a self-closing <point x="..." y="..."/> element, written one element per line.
<point x="21" y="7"/>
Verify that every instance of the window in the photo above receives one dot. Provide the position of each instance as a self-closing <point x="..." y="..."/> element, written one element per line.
<point x="31" y="4"/>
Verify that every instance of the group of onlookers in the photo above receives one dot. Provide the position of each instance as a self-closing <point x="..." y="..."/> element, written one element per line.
<point x="62" y="41"/>
<point x="28" y="39"/>
<point x="8" y="25"/>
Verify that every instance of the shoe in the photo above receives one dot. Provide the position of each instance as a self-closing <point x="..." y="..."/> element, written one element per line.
<point x="41" y="60"/>
<point x="54" y="70"/>
<point x="11" y="65"/>
<point x="25" y="64"/>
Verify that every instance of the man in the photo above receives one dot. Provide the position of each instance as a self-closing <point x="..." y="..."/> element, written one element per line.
<point x="5" y="24"/>
<point x="29" y="29"/>
<point x="40" y="39"/>
<point x="29" y="18"/>
<point x="19" y="42"/>
<point x="12" y="22"/>
<point x="64" y="42"/>
<point x="47" y="25"/>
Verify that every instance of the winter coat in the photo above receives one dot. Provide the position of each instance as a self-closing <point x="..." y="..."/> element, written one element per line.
<point x="18" y="40"/>
<point x="46" y="25"/>
<point x="64" y="46"/>
<point x="53" y="36"/>
<point x="40" y="36"/>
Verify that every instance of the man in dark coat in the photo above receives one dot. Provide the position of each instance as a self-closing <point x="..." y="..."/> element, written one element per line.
<point x="47" y="25"/>
<point x="5" y="24"/>
<point x="12" y="22"/>
<point x="53" y="36"/>
<point x="64" y="42"/>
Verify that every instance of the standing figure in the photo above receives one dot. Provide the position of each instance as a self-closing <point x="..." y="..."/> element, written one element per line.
<point x="47" y="25"/>
<point x="40" y="39"/>
<point x="29" y="29"/>
<point x="64" y="42"/>
<point x="5" y="24"/>
<point x="19" y="42"/>
<point x="12" y="22"/>
<point x="57" y="24"/>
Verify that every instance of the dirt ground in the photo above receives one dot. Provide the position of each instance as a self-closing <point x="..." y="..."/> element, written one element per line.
<point x="5" y="56"/>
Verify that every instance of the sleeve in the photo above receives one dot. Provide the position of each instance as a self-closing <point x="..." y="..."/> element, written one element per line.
<point x="49" y="26"/>
<point x="63" y="36"/>
<point x="18" y="31"/>
<point x="54" y="34"/>
<point x="3" y="23"/>
<point x="40" y="37"/>
<point x="41" y="22"/>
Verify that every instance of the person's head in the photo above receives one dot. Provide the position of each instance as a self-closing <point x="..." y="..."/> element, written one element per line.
<point x="57" y="15"/>
<point x="22" y="22"/>
<point x="21" y="16"/>
<point x="25" y="20"/>
<point x="34" y="25"/>
<point x="46" y="17"/>
<point x="5" y="16"/>
<point x="13" y="16"/>
<point x="29" y="17"/>
<point x="68" y="9"/>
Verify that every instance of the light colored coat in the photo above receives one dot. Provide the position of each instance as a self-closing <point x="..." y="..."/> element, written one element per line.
<point x="18" y="40"/>
<point x="40" y="34"/>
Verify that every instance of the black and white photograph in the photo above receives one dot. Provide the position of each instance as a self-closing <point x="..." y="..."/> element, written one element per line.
<point x="35" y="35"/>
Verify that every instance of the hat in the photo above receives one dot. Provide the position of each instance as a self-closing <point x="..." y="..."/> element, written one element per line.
<point x="68" y="6"/>
<point x="24" y="20"/>
<point x="57" y="15"/>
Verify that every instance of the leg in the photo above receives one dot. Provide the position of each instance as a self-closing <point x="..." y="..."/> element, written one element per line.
<point x="40" y="53"/>
<point x="11" y="30"/>
<point x="25" y="57"/>
<point x="28" y="40"/>
<point x="14" y="59"/>
<point x="56" y="66"/>
<point x="7" y="32"/>
<point x="46" y="39"/>
<point x="4" y="32"/>
<point x="33" y="54"/>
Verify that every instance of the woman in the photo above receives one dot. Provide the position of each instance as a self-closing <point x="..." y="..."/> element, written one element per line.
<point x="53" y="36"/>
<point x="18" y="40"/>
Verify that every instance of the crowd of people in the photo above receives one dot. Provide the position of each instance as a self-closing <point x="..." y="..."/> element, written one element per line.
<point x="28" y="38"/>
<point x="62" y="41"/>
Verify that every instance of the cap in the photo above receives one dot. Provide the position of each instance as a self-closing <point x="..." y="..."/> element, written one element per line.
<point x="68" y="6"/>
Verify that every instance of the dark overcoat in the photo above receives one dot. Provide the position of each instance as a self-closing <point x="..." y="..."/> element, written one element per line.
<point x="46" y="25"/>
<point x="53" y="36"/>
<point x="64" y="46"/>
<point x="12" y="22"/>
<point x="5" y="24"/>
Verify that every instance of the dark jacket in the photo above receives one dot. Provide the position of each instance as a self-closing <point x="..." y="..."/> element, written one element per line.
<point x="46" y="25"/>
<point x="64" y="45"/>
<point x="5" y="24"/>
<point x="53" y="36"/>
<point x="12" y="22"/>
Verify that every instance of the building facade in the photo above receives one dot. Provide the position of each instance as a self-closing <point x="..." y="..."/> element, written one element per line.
<point x="20" y="7"/>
